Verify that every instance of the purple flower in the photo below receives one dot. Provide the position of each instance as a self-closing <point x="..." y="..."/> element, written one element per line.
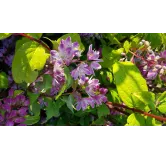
<point x="163" y="54"/>
<point x="163" y="78"/>
<point x="8" y="101"/>
<point x="152" y="74"/>
<point x="91" y="102"/>
<point x="86" y="35"/>
<point x="84" y="102"/>
<point x="99" y="99"/>
<point x="81" y="71"/>
<point x="26" y="102"/>
<point x="1" y="53"/>
<point x="93" y="55"/>
<point x="151" y="57"/>
<point x="58" y="74"/>
<point x="55" y="57"/>
<point x="42" y="102"/>
<point x="94" y="66"/>
<point x="14" y="109"/>
<point x="22" y="111"/>
<point x="19" y="120"/>
<point x="83" y="80"/>
<point x="77" y="95"/>
<point x="21" y="124"/>
<point x="103" y="90"/>
<point x="58" y="78"/>
<point x="93" y="87"/>
<point x="1" y="118"/>
<point x="19" y="99"/>
<point x="11" y="92"/>
<point x="6" y="107"/>
<point x="66" y="51"/>
<point x="12" y="114"/>
<point x="8" y="60"/>
<point x="9" y="123"/>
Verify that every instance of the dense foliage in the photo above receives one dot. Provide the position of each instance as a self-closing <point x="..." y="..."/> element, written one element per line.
<point x="87" y="79"/>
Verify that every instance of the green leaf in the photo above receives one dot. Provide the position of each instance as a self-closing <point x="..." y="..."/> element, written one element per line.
<point x="4" y="35"/>
<point x="112" y="38"/>
<point x="46" y="83"/>
<point x="143" y="99"/>
<point x="82" y="121"/>
<point x="161" y="98"/>
<point x="17" y="92"/>
<point x="69" y="101"/>
<point x="126" y="46"/>
<point x="135" y="42"/>
<point x="61" y="122"/>
<point x="21" y="42"/>
<point x="36" y="35"/>
<point x="35" y="108"/>
<point x="110" y="56"/>
<point x="32" y="97"/>
<point x="103" y="110"/>
<point x="55" y="45"/>
<point x="113" y="95"/>
<point x="69" y="79"/>
<point x="34" y="105"/>
<point x="80" y="113"/>
<point x="135" y="120"/>
<point x="52" y="109"/>
<point x="62" y="90"/>
<point x="3" y="80"/>
<point x="161" y="103"/>
<point x="154" y="38"/>
<point x="128" y="80"/>
<point x="162" y="107"/>
<point x="75" y="37"/>
<point x="106" y="77"/>
<point x="30" y="120"/>
<point x="99" y="122"/>
<point x="29" y="57"/>
<point x="152" y="121"/>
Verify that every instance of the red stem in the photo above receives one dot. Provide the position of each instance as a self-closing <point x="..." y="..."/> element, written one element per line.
<point x="138" y="56"/>
<point x="114" y="105"/>
<point x="33" y="39"/>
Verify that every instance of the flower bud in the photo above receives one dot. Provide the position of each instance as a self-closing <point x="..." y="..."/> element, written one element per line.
<point x="140" y="43"/>
<point x="123" y="54"/>
<point x="146" y="43"/>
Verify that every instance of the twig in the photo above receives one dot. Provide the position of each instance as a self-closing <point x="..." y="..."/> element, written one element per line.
<point x="33" y="39"/>
<point x="159" y="118"/>
<point x="138" y="56"/>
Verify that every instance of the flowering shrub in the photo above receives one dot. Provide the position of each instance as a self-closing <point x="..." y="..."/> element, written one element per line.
<point x="108" y="79"/>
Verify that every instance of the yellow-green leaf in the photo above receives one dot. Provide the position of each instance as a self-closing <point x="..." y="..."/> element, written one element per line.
<point x="3" y="80"/>
<point x="29" y="57"/>
<point x="128" y="80"/>
<point x="135" y="120"/>
<point x="4" y="35"/>
<point x="126" y="46"/>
